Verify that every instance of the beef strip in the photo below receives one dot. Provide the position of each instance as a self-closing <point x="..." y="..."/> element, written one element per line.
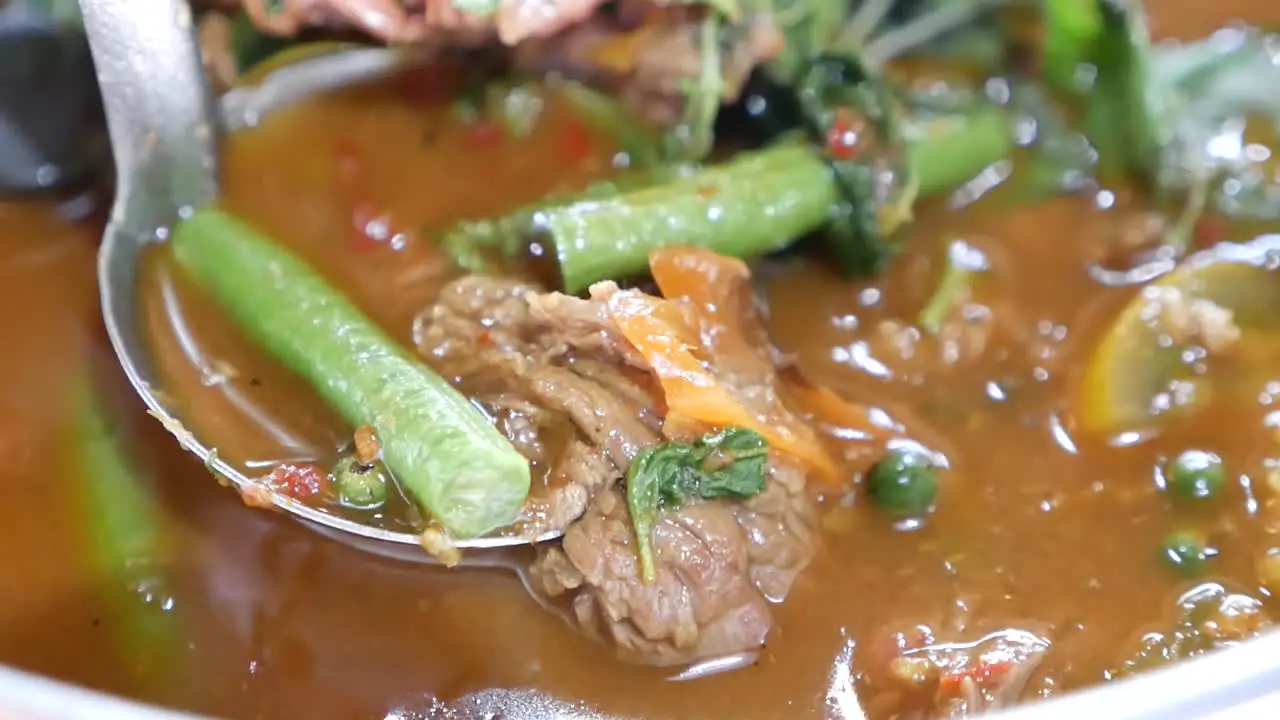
<point x="664" y="60"/>
<point x="537" y="361"/>
<point x="404" y="21"/>
<point x="556" y="378"/>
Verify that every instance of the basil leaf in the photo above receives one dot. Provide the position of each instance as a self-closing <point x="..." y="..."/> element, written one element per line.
<point x="1175" y="114"/>
<point x="725" y="464"/>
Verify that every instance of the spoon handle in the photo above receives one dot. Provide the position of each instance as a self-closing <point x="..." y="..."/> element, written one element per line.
<point x="159" y="108"/>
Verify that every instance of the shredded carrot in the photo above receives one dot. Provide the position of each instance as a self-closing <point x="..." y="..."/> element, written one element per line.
<point x="670" y="340"/>
<point x="827" y="407"/>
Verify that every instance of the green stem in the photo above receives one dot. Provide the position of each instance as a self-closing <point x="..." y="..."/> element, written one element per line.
<point x="127" y="541"/>
<point x="948" y="150"/>
<point x="470" y="243"/>
<point x="756" y="203"/>
<point x="921" y="31"/>
<point x="955" y="281"/>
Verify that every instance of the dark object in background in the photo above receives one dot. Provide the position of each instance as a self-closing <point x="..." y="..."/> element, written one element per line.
<point x="51" y="129"/>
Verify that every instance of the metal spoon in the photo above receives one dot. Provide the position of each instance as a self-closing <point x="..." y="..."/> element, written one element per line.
<point x="165" y="126"/>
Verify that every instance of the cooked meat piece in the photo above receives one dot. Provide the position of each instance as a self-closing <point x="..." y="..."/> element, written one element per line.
<point x="650" y="66"/>
<point x="558" y="381"/>
<point x="578" y="401"/>
<point x="719" y="565"/>
<point x="671" y="59"/>
<point x="404" y="21"/>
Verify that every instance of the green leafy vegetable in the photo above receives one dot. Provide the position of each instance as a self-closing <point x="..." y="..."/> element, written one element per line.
<point x="841" y="100"/>
<point x="1174" y="115"/>
<point x="1127" y="109"/>
<point x="725" y="464"/>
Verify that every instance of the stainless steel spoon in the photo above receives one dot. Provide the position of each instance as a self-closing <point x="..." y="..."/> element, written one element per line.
<point x="165" y="127"/>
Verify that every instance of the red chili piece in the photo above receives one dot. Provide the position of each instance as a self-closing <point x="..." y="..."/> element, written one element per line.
<point x="575" y="143"/>
<point x="300" y="482"/>
<point x="842" y="136"/>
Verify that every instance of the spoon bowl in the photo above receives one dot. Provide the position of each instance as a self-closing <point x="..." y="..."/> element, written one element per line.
<point x="165" y="128"/>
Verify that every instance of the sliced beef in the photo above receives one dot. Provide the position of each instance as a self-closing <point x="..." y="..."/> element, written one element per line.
<point x="551" y="372"/>
<point x="649" y="67"/>
<point x="719" y="565"/>
<point x="575" y="398"/>
<point x="403" y="21"/>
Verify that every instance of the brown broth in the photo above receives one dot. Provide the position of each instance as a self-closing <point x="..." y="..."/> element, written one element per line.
<point x="265" y="619"/>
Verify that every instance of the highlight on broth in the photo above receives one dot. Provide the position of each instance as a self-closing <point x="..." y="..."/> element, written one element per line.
<point x="942" y="331"/>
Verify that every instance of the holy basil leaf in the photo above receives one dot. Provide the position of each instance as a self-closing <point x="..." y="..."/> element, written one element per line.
<point x="842" y="101"/>
<point x="1126" y="112"/>
<point x="725" y="464"/>
<point x="1174" y="115"/>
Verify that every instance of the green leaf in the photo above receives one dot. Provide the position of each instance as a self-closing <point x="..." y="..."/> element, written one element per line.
<point x="876" y="184"/>
<point x="725" y="464"/>
<point x="1126" y="116"/>
<point x="1174" y="115"/>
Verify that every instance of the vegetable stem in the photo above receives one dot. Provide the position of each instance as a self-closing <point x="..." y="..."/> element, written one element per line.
<point x="955" y="280"/>
<point x="127" y="538"/>
<point x="755" y="203"/>
<point x="444" y="450"/>
<point x="904" y="39"/>
<point x="948" y="150"/>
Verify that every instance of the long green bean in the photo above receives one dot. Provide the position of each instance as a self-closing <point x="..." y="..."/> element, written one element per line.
<point x="127" y="542"/>
<point x="447" y="454"/>
<point x="755" y="203"/>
